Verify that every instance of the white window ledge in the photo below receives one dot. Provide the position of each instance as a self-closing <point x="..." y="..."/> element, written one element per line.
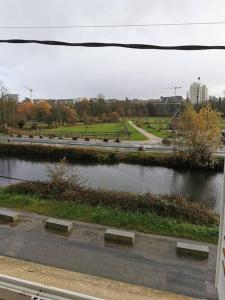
<point x="17" y="289"/>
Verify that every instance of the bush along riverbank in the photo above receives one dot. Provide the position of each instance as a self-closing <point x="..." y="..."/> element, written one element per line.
<point x="90" y="155"/>
<point x="110" y="216"/>
<point x="63" y="195"/>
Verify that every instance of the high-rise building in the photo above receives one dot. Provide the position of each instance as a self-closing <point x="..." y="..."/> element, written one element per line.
<point x="13" y="97"/>
<point x="204" y="93"/>
<point x="198" y="91"/>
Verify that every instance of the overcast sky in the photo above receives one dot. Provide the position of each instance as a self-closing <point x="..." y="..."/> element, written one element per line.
<point x="60" y="72"/>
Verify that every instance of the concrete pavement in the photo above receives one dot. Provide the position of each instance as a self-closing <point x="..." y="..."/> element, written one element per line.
<point x="123" y="145"/>
<point x="81" y="283"/>
<point x="152" y="262"/>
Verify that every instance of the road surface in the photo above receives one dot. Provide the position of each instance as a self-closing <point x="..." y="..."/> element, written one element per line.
<point x="81" y="283"/>
<point x="152" y="262"/>
<point x="124" y="145"/>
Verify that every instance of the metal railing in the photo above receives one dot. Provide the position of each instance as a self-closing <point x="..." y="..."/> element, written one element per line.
<point x="17" y="289"/>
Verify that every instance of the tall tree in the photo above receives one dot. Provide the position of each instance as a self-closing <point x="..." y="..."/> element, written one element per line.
<point x="198" y="134"/>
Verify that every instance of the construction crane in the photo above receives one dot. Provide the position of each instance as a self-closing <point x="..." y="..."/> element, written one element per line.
<point x="175" y="88"/>
<point x="30" y="90"/>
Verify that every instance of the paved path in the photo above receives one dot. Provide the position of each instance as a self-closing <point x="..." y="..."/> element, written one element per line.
<point x="123" y="145"/>
<point x="81" y="283"/>
<point x="152" y="262"/>
<point x="151" y="146"/>
<point x="152" y="139"/>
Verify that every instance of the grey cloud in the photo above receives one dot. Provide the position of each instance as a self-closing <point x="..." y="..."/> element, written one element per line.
<point x="69" y="72"/>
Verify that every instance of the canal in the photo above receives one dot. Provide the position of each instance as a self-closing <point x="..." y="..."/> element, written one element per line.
<point x="200" y="186"/>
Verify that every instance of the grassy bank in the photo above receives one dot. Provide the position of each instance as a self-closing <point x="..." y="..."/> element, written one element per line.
<point x="90" y="155"/>
<point x="63" y="187"/>
<point x="143" y="222"/>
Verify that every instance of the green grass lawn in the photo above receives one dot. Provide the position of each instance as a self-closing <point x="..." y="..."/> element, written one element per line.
<point x="135" y="135"/>
<point x="157" y="126"/>
<point x="162" y="133"/>
<point x="148" y="222"/>
<point x="99" y="129"/>
<point x="39" y="125"/>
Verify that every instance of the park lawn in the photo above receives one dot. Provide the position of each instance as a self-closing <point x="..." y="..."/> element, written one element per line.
<point x="135" y="135"/>
<point x="157" y="126"/>
<point x="101" y="129"/>
<point x="143" y="222"/>
<point x="162" y="133"/>
<point x="97" y="128"/>
<point x="40" y="125"/>
<point x="162" y="119"/>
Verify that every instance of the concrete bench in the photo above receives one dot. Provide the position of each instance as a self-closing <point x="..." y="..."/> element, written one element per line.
<point x="119" y="236"/>
<point x="187" y="249"/>
<point x="58" y="225"/>
<point x="8" y="216"/>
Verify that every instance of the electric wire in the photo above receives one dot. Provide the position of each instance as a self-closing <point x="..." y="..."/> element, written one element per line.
<point x="121" y="45"/>
<point x="114" y="25"/>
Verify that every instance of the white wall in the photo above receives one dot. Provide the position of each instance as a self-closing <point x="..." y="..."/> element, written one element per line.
<point x="220" y="276"/>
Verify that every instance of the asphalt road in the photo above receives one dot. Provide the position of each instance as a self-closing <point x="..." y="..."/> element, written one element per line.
<point x="124" y="145"/>
<point x="152" y="262"/>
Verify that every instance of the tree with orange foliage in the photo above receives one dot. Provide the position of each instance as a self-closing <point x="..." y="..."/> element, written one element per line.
<point x="42" y="111"/>
<point x="68" y="115"/>
<point x="198" y="135"/>
<point x="25" y="110"/>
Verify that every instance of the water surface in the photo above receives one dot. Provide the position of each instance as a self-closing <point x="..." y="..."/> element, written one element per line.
<point x="200" y="186"/>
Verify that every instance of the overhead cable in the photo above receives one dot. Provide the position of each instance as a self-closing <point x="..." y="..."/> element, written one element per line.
<point x="114" y="25"/>
<point x="121" y="45"/>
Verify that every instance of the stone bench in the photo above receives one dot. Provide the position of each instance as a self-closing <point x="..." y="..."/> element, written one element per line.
<point x="58" y="225"/>
<point x="8" y="216"/>
<point x="119" y="236"/>
<point x="196" y="250"/>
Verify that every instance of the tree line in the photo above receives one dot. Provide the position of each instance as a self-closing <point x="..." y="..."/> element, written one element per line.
<point x="87" y="111"/>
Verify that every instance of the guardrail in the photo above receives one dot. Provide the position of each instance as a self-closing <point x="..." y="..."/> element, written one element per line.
<point x="17" y="289"/>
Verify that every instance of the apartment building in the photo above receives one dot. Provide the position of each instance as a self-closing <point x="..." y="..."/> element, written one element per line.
<point x="198" y="92"/>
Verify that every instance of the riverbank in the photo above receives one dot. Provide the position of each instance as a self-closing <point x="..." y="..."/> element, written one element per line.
<point x="90" y="155"/>
<point x="143" y="222"/>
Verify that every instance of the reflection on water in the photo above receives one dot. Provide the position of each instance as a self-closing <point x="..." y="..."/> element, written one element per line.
<point x="201" y="186"/>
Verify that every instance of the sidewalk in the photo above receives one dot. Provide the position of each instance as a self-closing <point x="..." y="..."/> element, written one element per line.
<point x="81" y="283"/>
<point x="151" y="263"/>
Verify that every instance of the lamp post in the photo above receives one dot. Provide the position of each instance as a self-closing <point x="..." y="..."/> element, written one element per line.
<point x="198" y="94"/>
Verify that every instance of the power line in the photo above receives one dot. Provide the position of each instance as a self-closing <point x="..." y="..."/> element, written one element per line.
<point x="114" y="25"/>
<point x="17" y="179"/>
<point x="121" y="45"/>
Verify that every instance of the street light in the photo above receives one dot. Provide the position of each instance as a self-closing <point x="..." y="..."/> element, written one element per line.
<point x="198" y="94"/>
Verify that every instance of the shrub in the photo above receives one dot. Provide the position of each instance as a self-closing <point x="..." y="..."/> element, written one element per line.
<point x="163" y="205"/>
<point x="106" y="156"/>
<point x="21" y="124"/>
<point x="166" y="141"/>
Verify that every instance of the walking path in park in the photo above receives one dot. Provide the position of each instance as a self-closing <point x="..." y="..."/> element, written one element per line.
<point x="152" y="139"/>
<point x="151" y="263"/>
